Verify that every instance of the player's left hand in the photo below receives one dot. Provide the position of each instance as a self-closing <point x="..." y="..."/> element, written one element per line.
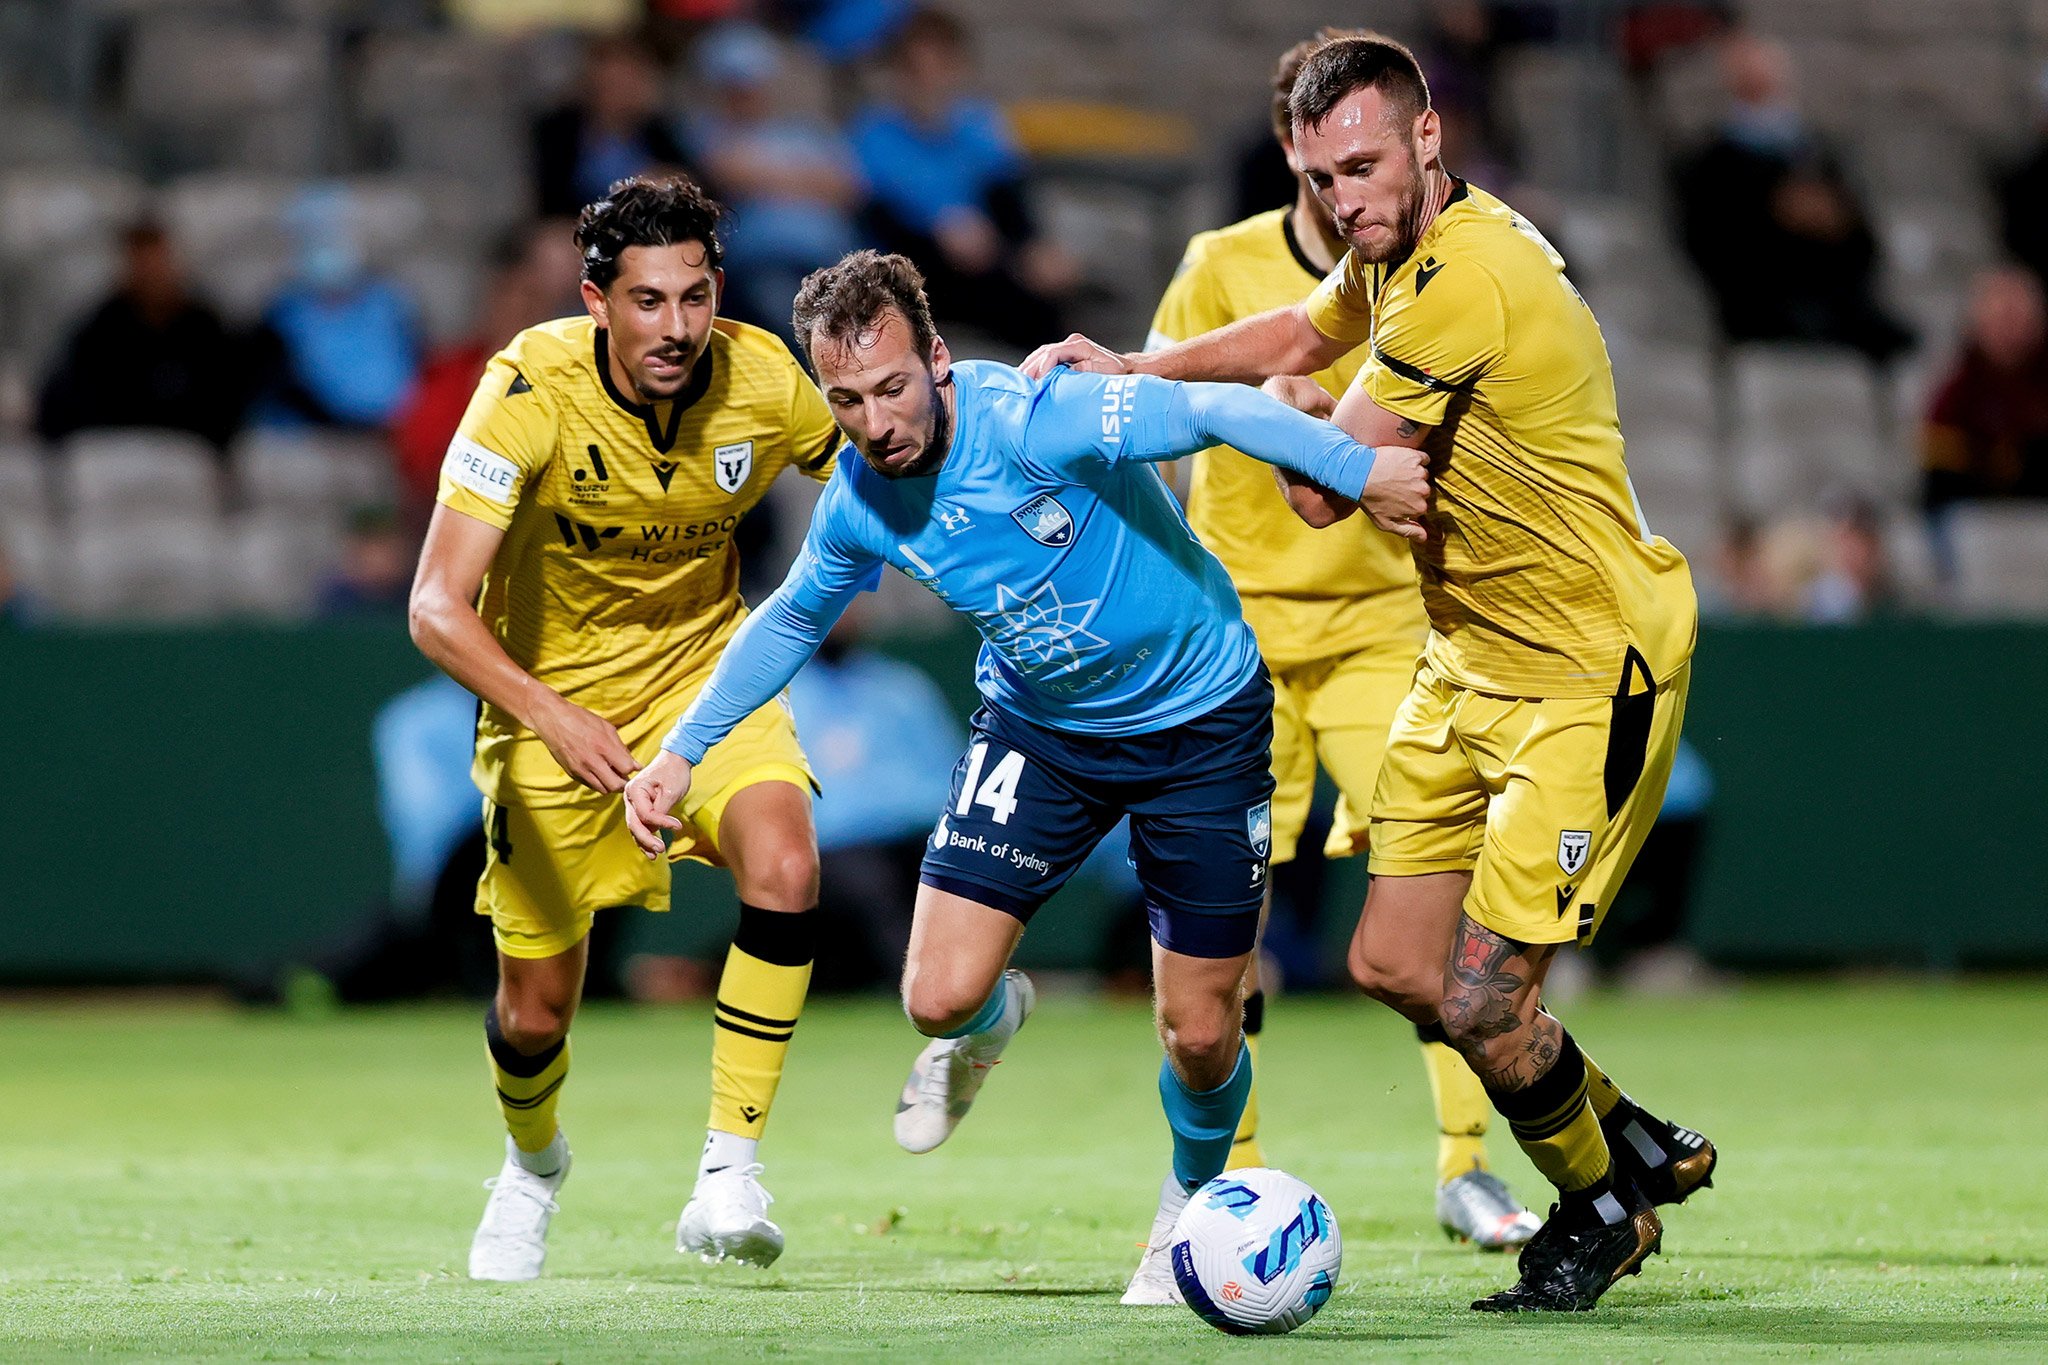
<point x="1300" y="392"/>
<point x="651" y="798"/>
<point x="1077" y="353"/>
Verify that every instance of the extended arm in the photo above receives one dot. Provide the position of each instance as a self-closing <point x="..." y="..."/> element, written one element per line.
<point x="1282" y="341"/>
<point x="445" y="625"/>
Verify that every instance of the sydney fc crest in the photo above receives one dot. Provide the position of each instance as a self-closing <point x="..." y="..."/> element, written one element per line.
<point x="731" y="464"/>
<point x="1258" y="823"/>
<point x="1045" y="521"/>
<point x="1572" y="847"/>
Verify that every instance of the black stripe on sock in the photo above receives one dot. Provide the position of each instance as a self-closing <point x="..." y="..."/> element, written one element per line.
<point x="511" y="1060"/>
<point x="1541" y="1100"/>
<point x="754" y="1032"/>
<point x="532" y="1101"/>
<point x="785" y="939"/>
<point x="762" y="1019"/>
<point x="1432" y="1033"/>
<point x="1254" y="1013"/>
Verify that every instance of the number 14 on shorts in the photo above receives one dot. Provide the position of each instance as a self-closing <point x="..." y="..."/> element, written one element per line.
<point x="998" y="791"/>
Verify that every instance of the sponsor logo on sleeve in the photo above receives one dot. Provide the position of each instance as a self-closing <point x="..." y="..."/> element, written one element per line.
<point x="483" y="472"/>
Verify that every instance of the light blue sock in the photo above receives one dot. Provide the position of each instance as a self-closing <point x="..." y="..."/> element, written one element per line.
<point x="1203" y="1121"/>
<point x="990" y="1014"/>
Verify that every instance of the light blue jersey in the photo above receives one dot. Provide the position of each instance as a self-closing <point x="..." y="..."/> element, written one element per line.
<point x="1099" y="611"/>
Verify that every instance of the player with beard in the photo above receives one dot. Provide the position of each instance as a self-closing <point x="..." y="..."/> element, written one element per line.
<point x="579" y="576"/>
<point x="1117" y="676"/>
<point x="1528" y="760"/>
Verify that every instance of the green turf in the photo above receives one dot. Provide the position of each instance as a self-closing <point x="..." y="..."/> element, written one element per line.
<point x="191" y="1183"/>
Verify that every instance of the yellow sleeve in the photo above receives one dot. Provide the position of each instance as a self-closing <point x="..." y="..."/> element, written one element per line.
<point x="506" y="437"/>
<point x="1193" y="303"/>
<point x="814" y="437"/>
<point x="1436" y="342"/>
<point x="1341" y="306"/>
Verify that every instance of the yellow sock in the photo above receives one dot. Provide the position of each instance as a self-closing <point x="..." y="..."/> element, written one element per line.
<point x="1602" y="1093"/>
<point x="1462" y="1108"/>
<point x="1555" y="1125"/>
<point x="1244" y="1148"/>
<point x="528" y="1087"/>
<point x="767" y="972"/>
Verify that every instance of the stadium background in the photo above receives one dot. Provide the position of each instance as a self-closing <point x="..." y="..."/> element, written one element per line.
<point x="171" y="606"/>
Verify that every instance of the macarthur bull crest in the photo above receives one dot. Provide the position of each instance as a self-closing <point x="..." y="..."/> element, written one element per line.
<point x="1572" y="846"/>
<point x="1045" y="521"/>
<point x="730" y="465"/>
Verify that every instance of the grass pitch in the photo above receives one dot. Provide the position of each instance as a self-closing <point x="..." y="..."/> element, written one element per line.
<point x="186" y="1183"/>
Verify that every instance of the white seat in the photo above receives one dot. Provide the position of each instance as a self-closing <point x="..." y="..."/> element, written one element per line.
<point x="276" y="561"/>
<point x="43" y="210"/>
<point x="230" y="230"/>
<point x="2001" y="552"/>
<point x="1808" y="420"/>
<point x="156" y="566"/>
<point x="123" y="471"/>
<point x="311" y="470"/>
<point x="24" y="481"/>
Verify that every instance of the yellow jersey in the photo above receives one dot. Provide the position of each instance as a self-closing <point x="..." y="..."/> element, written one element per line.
<point x="1307" y="594"/>
<point x="617" y="584"/>
<point x="1539" y="573"/>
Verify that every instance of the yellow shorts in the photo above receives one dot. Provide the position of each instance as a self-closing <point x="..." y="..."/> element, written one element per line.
<point x="1336" y="712"/>
<point x="1546" y="802"/>
<point x="550" y="868"/>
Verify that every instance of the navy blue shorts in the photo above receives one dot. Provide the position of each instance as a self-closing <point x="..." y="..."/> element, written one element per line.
<point x="1029" y="804"/>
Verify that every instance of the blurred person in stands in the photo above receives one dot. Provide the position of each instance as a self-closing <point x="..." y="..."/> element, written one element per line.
<point x="1986" y="433"/>
<point x="790" y="179"/>
<point x="1767" y="215"/>
<point x="347" y="341"/>
<point x="1650" y="952"/>
<point x="612" y="130"/>
<point x="18" y="606"/>
<point x="150" y="355"/>
<point x="374" y="576"/>
<point x="1854" y="580"/>
<point x="949" y="190"/>
<point x="534" y="274"/>
<point x="881" y="737"/>
<point x="2023" y="193"/>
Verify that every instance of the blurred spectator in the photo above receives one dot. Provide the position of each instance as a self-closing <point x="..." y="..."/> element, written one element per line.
<point x="151" y="355"/>
<point x="949" y="191"/>
<point x="375" y="572"/>
<point x="18" y="606"/>
<point x="1854" y="581"/>
<point x="883" y="742"/>
<point x="526" y="286"/>
<point x="846" y="31"/>
<point x="1986" y="434"/>
<point x="2023" y="193"/>
<point x="788" y="179"/>
<point x="1460" y="52"/>
<point x="611" y="130"/>
<point x="347" y="340"/>
<point x="1739" y="584"/>
<point x="1782" y="242"/>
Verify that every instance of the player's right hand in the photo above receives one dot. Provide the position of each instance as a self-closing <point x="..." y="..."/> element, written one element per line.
<point x="1076" y="352"/>
<point x="1396" y="494"/>
<point x="587" y="746"/>
<point x="651" y="797"/>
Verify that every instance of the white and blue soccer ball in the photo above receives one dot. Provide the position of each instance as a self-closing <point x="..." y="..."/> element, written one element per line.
<point x="1256" y="1251"/>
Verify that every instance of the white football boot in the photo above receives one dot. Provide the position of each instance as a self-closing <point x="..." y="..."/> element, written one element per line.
<point x="511" y="1242"/>
<point x="727" y="1219"/>
<point x="1152" y="1284"/>
<point x="950" y="1072"/>
<point x="1477" y="1208"/>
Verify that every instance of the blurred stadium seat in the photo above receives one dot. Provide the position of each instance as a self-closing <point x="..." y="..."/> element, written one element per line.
<point x="204" y="92"/>
<point x="2001" y="554"/>
<point x="138" y="564"/>
<point x="114" y="473"/>
<point x="311" y="472"/>
<point x="1808" y="420"/>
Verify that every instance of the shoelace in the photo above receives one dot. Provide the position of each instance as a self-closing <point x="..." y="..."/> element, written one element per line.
<point x="744" y="1182"/>
<point x="530" y="1188"/>
<point x="937" y="1083"/>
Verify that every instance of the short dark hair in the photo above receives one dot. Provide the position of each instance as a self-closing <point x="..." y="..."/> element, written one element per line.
<point x="849" y="298"/>
<point x="1288" y="69"/>
<point x="1342" y="66"/>
<point x="930" y="24"/>
<point x="646" y="210"/>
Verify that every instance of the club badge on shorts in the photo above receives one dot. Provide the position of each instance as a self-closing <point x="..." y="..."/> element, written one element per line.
<point x="1258" y="823"/>
<point x="1572" y="847"/>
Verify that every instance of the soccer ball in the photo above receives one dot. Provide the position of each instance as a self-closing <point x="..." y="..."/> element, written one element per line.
<point x="1255" y="1251"/>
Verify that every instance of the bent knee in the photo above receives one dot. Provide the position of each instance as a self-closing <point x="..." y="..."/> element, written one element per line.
<point x="938" y="1005"/>
<point x="1400" y="985"/>
<point x="533" y="1026"/>
<point x="1203" y="1033"/>
<point x="787" y="879"/>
